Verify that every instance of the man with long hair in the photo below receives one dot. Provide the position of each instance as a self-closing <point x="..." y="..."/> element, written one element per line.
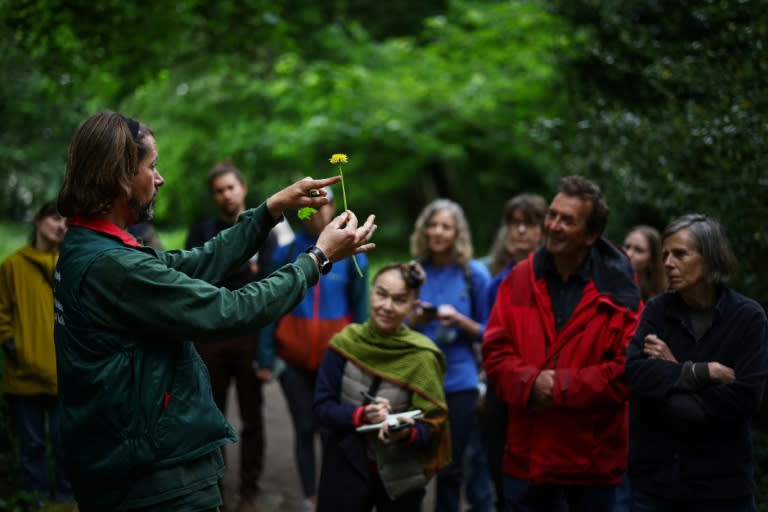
<point x="138" y="417"/>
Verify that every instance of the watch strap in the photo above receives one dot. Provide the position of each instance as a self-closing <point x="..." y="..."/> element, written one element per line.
<point x="323" y="263"/>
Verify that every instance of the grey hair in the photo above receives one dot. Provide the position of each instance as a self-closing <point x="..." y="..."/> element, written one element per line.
<point x="462" y="247"/>
<point x="710" y="241"/>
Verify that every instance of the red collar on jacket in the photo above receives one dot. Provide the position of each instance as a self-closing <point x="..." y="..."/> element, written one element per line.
<point x="105" y="226"/>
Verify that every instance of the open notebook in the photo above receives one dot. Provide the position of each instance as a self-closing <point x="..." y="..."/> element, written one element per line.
<point x="391" y="420"/>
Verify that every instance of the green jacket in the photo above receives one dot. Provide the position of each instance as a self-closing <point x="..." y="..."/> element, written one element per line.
<point x="26" y="316"/>
<point x="135" y="394"/>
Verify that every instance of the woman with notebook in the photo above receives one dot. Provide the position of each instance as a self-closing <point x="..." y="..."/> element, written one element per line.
<point x="382" y="373"/>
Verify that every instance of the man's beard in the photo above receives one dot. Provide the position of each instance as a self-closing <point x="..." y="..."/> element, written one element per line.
<point x="231" y="212"/>
<point x="142" y="212"/>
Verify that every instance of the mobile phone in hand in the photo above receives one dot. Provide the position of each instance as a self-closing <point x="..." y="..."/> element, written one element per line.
<point x="429" y="310"/>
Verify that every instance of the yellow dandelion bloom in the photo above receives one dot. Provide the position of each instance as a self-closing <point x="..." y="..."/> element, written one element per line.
<point x="339" y="158"/>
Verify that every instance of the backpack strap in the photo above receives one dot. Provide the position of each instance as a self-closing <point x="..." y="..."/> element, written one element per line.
<point x="470" y="288"/>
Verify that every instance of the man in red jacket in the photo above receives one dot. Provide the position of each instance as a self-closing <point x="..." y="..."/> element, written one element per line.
<point x="554" y="350"/>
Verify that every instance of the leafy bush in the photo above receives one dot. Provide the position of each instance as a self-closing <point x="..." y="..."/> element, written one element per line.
<point x="669" y="111"/>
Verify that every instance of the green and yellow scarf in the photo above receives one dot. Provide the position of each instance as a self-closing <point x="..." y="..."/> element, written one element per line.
<point x="410" y="360"/>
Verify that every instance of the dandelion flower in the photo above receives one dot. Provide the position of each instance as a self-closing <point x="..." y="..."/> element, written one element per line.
<point x="339" y="158"/>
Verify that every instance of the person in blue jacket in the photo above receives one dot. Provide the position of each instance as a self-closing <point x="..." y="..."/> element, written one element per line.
<point x="449" y="313"/>
<point x="696" y="367"/>
<point x="300" y="338"/>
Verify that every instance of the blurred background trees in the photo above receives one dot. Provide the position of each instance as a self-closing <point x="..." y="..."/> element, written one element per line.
<point x="668" y="112"/>
<point x="664" y="104"/>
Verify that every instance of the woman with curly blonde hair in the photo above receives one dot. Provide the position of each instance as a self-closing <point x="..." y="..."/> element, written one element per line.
<point x="449" y="312"/>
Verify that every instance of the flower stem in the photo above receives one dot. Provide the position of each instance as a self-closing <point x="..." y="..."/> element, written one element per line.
<point x="344" y="197"/>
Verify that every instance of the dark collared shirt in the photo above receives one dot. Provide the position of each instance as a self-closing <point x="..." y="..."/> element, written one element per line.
<point x="565" y="295"/>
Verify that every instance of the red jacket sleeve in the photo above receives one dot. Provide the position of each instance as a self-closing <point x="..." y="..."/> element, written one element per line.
<point x="511" y="377"/>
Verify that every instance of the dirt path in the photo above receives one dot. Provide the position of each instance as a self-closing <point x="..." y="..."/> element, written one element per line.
<point x="280" y="487"/>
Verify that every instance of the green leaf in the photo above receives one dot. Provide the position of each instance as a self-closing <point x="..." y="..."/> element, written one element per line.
<point x="306" y="212"/>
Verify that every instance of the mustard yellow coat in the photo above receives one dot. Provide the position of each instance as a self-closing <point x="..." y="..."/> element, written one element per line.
<point x="26" y="315"/>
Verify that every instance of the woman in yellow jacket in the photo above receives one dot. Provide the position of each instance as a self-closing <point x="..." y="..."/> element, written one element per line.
<point x="26" y="336"/>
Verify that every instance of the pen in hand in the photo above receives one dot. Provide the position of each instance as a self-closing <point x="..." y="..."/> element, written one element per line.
<point x="376" y="409"/>
<point x="369" y="398"/>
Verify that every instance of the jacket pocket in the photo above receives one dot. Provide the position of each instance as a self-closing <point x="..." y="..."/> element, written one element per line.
<point x="191" y="423"/>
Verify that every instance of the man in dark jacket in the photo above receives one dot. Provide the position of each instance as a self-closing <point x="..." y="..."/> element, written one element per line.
<point x="554" y="350"/>
<point x="231" y="358"/>
<point x="138" y="416"/>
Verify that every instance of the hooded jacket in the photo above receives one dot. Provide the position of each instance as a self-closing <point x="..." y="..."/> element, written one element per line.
<point x="26" y="316"/>
<point x="581" y="439"/>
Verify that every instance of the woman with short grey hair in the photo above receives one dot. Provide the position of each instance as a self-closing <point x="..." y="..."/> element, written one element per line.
<point x="696" y="367"/>
<point x="709" y="240"/>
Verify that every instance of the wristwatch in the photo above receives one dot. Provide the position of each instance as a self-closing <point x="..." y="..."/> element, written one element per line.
<point x="323" y="263"/>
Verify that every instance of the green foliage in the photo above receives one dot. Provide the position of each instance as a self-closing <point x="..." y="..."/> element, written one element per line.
<point x="306" y="212"/>
<point x="475" y="100"/>
<point x="35" y="131"/>
<point x="61" y="61"/>
<point x="172" y="238"/>
<point x="664" y="104"/>
<point x="446" y="113"/>
<point x="434" y="99"/>
<point x="13" y="236"/>
<point x="669" y="104"/>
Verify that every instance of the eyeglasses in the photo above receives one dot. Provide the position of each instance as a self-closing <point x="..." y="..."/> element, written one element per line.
<point x="514" y="223"/>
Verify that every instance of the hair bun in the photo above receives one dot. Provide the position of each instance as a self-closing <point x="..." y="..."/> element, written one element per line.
<point x="413" y="273"/>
